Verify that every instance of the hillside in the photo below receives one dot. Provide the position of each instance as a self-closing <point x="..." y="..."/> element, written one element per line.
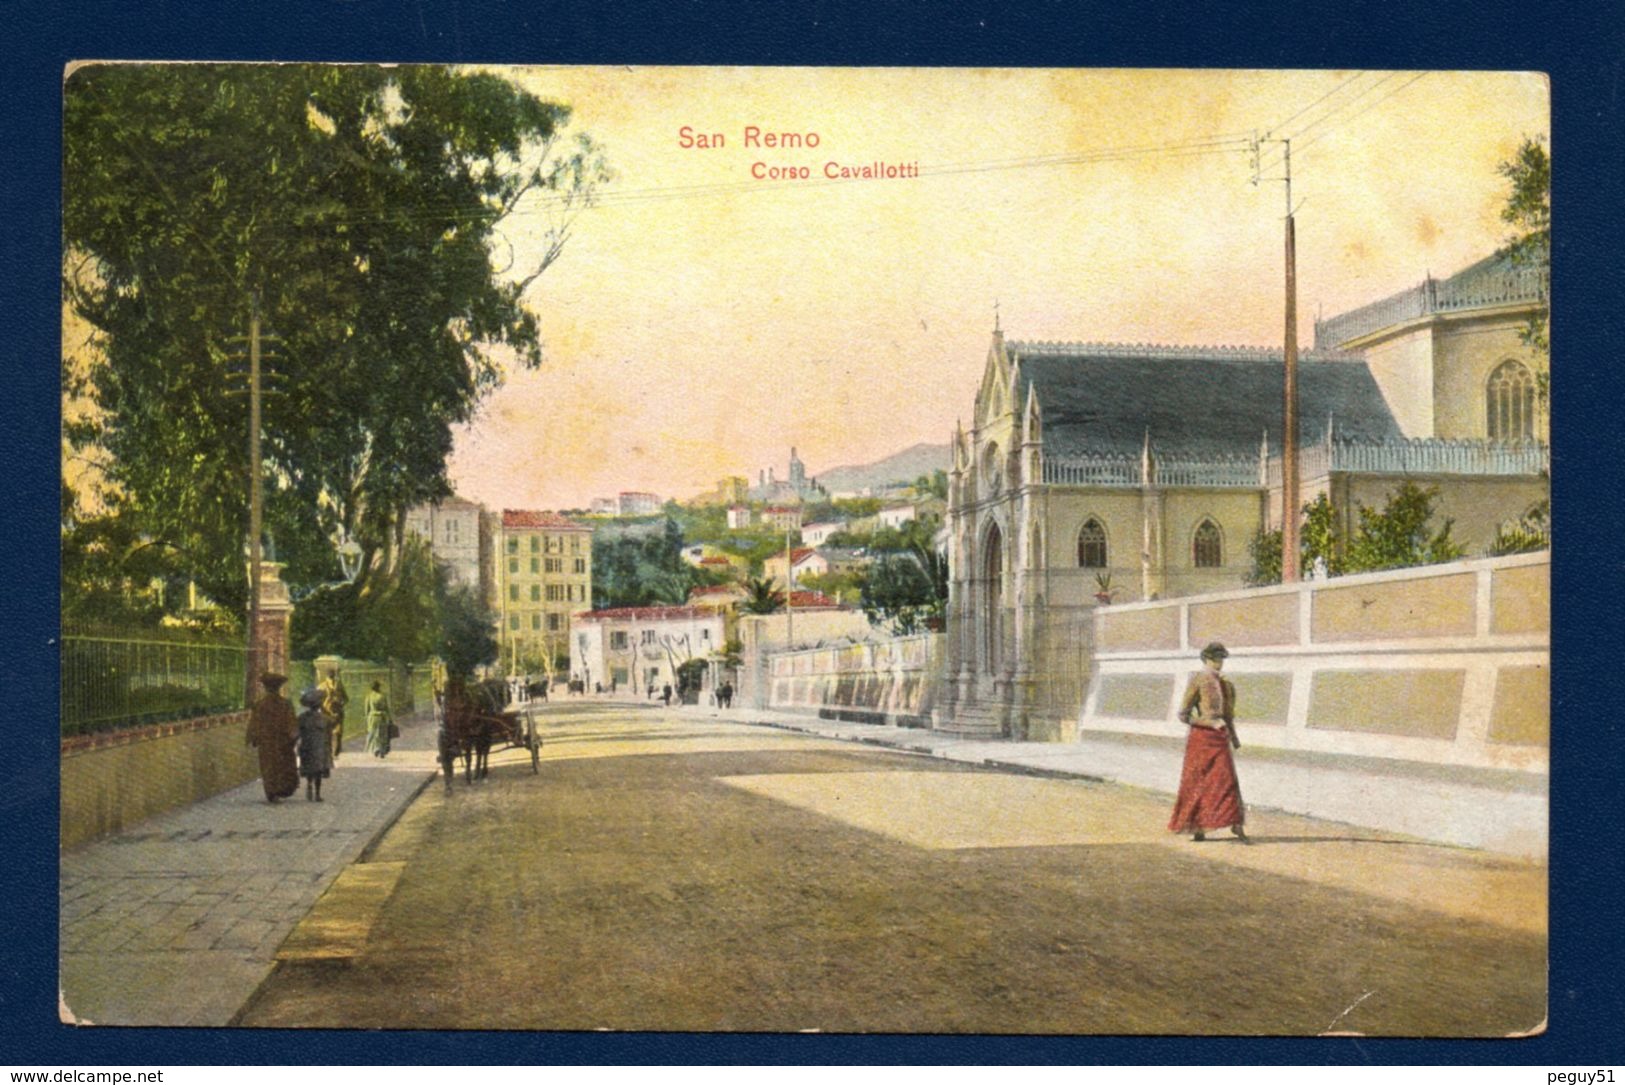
<point x="904" y="466"/>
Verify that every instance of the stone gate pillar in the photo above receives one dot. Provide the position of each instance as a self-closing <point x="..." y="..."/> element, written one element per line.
<point x="271" y="627"/>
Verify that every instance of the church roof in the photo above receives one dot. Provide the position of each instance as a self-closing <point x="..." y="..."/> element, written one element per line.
<point x="1100" y="399"/>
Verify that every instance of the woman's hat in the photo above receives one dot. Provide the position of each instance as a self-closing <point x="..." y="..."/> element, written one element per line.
<point x="312" y="698"/>
<point x="1215" y="650"/>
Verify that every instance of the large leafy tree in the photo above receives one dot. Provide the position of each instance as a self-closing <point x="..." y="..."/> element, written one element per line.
<point x="361" y="211"/>
<point x="1528" y="210"/>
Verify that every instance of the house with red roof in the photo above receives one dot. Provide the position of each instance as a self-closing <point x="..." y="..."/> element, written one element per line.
<point x="639" y="649"/>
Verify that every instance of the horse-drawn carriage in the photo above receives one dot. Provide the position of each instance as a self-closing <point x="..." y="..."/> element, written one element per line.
<point x="475" y="719"/>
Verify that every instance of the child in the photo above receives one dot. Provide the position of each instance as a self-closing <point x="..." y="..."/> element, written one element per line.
<point x="315" y="748"/>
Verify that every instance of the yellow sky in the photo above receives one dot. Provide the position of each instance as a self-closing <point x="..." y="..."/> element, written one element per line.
<point x="689" y="338"/>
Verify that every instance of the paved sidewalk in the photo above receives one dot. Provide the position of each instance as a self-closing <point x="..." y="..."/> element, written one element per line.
<point x="1499" y="811"/>
<point x="176" y="920"/>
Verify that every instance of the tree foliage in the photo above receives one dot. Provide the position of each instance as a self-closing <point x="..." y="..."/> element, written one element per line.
<point x="359" y="209"/>
<point x="463" y="635"/>
<point x="1400" y="535"/>
<point x="845" y="585"/>
<point x="1531" y="531"/>
<point x="907" y="590"/>
<point x="640" y="569"/>
<point x="1528" y="210"/>
<point x="912" y="536"/>
<point x="934" y="484"/>
<point x="413" y="613"/>
<point x="1397" y="536"/>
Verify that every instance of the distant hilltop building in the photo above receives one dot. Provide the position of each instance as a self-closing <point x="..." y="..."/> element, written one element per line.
<point x="738" y="517"/>
<point x="730" y="490"/>
<point x="605" y="506"/>
<point x="637" y="503"/>
<point x="798" y="487"/>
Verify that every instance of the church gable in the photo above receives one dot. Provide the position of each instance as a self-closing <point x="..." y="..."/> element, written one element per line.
<point x="993" y="398"/>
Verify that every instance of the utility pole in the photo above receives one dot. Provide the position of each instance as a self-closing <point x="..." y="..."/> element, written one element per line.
<point x="1289" y="430"/>
<point x="789" y="589"/>
<point x="256" y="391"/>
<point x="255" y="496"/>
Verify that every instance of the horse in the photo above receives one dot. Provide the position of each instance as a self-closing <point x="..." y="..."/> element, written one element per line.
<point x="473" y="719"/>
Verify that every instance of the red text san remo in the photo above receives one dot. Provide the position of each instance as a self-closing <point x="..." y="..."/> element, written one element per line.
<point x="754" y="137"/>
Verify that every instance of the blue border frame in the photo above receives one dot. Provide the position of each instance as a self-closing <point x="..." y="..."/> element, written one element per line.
<point x="1580" y="45"/>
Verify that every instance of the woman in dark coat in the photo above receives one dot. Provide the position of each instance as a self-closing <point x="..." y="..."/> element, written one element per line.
<point x="1209" y="793"/>
<point x="273" y="729"/>
<point x="315" y="745"/>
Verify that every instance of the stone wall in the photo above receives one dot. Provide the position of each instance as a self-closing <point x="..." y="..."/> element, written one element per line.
<point x="1447" y="664"/>
<point x="763" y="636"/>
<point x="114" y="780"/>
<point x="892" y="681"/>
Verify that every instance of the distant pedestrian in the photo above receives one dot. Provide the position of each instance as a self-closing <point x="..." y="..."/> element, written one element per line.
<point x="334" y="698"/>
<point x="725" y="695"/>
<point x="274" y="730"/>
<point x="1209" y="793"/>
<point x="380" y="721"/>
<point x="665" y="695"/>
<point x="315" y="745"/>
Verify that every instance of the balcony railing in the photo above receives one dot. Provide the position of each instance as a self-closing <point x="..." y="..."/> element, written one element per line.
<point x="1127" y="471"/>
<point x="1424" y="456"/>
<point x="1504" y="286"/>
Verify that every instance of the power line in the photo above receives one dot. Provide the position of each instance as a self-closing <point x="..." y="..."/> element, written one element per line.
<point x="1276" y="128"/>
<point x="1323" y="118"/>
<point x="1311" y="142"/>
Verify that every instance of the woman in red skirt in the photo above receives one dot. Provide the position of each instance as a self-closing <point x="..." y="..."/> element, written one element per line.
<point x="1209" y="795"/>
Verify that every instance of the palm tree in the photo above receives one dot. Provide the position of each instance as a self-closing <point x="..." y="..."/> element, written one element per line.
<point x="762" y="597"/>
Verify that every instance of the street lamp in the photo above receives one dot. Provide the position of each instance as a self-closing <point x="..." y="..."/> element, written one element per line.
<point x="349" y="552"/>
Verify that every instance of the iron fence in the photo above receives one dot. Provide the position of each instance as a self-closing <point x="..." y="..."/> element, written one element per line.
<point x="112" y="682"/>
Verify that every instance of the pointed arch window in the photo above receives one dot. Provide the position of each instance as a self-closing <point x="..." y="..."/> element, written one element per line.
<point x="1092" y="545"/>
<point x="1208" y="546"/>
<point x="1510" y="402"/>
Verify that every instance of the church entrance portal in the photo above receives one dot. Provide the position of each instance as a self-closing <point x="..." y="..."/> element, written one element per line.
<point x="993" y="596"/>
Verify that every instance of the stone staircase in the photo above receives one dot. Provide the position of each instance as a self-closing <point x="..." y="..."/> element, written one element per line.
<point x="974" y="719"/>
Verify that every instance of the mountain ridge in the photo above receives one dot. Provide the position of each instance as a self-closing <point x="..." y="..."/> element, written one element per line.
<point x="899" y="467"/>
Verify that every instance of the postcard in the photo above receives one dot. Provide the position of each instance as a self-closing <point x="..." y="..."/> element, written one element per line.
<point x="778" y="550"/>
